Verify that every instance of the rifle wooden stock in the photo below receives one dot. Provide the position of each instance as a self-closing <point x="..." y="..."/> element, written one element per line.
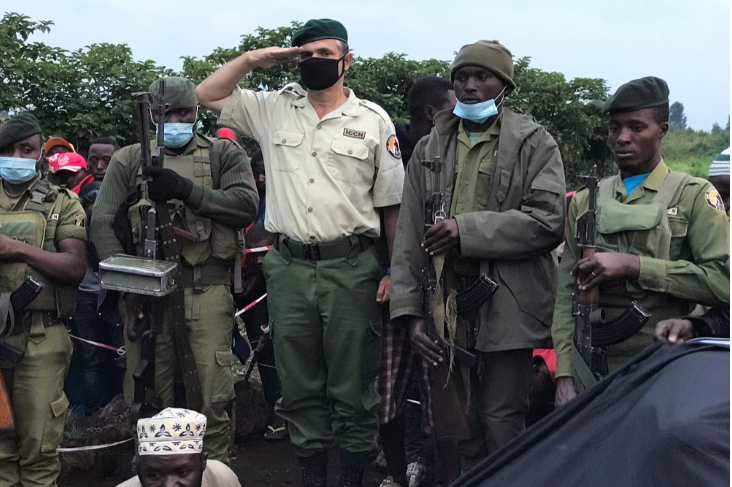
<point x="7" y="421"/>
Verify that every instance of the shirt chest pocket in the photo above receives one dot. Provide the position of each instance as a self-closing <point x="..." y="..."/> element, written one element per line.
<point x="288" y="150"/>
<point x="347" y="162"/>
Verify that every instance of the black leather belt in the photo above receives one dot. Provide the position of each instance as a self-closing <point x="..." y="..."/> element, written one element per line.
<point x="335" y="249"/>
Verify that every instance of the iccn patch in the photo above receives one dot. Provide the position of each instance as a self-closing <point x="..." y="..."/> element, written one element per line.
<point x="80" y="220"/>
<point x="715" y="199"/>
<point x="392" y="145"/>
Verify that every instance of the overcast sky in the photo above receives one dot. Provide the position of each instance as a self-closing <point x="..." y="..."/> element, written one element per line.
<point x="686" y="43"/>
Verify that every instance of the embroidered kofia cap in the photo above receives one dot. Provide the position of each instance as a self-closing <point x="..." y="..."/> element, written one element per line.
<point x="171" y="431"/>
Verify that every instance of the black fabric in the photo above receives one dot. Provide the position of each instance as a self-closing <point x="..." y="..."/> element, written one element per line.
<point x="166" y="184"/>
<point x="713" y="323"/>
<point x="638" y="94"/>
<point x="662" y="419"/>
<point x="402" y="129"/>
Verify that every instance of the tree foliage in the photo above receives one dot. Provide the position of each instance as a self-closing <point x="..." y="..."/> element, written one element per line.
<point x="676" y="117"/>
<point x="83" y="94"/>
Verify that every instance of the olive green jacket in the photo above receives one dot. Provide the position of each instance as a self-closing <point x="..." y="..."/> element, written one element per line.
<point x="697" y="271"/>
<point x="232" y="199"/>
<point x="522" y="223"/>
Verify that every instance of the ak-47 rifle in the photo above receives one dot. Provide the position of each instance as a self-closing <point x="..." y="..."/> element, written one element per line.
<point x="592" y="333"/>
<point x="449" y="417"/>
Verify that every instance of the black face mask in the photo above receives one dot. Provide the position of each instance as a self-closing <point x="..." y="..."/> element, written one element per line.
<point x="319" y="73"/>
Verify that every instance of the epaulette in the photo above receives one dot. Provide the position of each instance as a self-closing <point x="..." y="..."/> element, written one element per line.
<point x="375" y="108"/>
<point x="294" y="89"/>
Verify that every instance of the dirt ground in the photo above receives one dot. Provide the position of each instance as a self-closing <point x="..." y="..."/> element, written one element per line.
<point x="257" y="463"/>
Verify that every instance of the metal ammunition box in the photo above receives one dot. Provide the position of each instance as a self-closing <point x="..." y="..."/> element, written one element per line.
<point x="137" y="275"/>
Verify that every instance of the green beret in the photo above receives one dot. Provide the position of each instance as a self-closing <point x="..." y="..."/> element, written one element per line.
<point x="319" y="29"/>
<point x="17" y="128"/>
<point x="638" y="94"/>
<point x="491" y="55"/>
<point x="179" y="92"/>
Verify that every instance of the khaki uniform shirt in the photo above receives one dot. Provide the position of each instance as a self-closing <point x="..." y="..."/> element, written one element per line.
<point x="216" y="475"/>
<point x="697" y="271"/>
<point x="325" y="177"/>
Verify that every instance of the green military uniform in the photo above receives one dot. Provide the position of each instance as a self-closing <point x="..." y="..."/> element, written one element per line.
<point x="35" y="385"/>
<point x="506" y="193"/>
<point x="684" y="256"/>
<point x="326" y="179"/>
<point x="223" y="199"/>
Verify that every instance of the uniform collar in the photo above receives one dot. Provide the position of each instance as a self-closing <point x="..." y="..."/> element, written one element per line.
<point x="493" y="130"/>
<point x="653" y="183"/>
<point x="193" y="145"/>
<point x="350" y="107"/>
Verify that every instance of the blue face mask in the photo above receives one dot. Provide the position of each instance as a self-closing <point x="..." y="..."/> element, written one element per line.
<point x="177" y="135"/>
<point x="16" y="170"/>
<point x="478" y="112"/>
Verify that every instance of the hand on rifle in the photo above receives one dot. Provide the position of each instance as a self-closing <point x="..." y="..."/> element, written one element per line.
<point x="675" y="331"/>
<point x="441" y="237"/>
<point x="605" y="266"/>
<point x="130" y="310"/>
<point x="427" y="348"/>
<point x="383" y="294"/>
<point x="565" y="391"/>
<point x="166" y="184"/>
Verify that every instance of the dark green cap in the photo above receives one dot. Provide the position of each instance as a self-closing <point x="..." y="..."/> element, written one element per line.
<point x="638" y="94"/>
<point x="179" y="92"/>
<point x="319" y="29"/>
<point x="17" y="128"/>
<point x="491" y="55"/>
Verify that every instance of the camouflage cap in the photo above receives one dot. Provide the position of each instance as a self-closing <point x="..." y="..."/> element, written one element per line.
<point x="638" y="94"/>
<point x="179" y="92"/>
<point x="17" y="128"/>
<point x="318" y="29"/>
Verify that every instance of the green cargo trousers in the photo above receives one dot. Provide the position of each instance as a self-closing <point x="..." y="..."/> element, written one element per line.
<point x="499" y="401"/>
<point x="210" y="340"/>
<point x="36" y="390"/>
<point x="326" y="328"/>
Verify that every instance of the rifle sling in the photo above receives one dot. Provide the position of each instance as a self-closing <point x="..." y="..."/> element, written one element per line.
<point x="582" y="371"/>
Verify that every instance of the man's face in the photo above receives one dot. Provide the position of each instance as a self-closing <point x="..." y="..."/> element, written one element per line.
<point x="171" y="470"/>
<point x="67" y="179"/>
<point x="259" y="177"/>
<point x="448" y="103"/>
<point x="635" y="138"/>
<point x="58" y="149"/>
<point x="474" y="84"/>
<point x="177" y="115"/>
<point x="98" y="159"/>
<point x="325" y="48"/>
<point x="28" y="148"/>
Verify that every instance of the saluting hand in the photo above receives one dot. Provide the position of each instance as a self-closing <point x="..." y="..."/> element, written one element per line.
<point x="605" y="266"/>
<point x="442" y="237"/>
<point x="269" y="56"/>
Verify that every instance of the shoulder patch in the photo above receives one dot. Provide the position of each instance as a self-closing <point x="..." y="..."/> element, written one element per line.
<point x="392" y="145"/>
<point x="714" y="199"/>
<point x="80" y="220"/>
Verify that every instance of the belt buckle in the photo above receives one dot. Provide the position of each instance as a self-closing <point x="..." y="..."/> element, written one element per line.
<point x="311" y="251"/>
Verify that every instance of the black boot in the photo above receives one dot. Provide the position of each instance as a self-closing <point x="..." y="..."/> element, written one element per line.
<point x="314" y="469"/>
<point x="352" y="467"/>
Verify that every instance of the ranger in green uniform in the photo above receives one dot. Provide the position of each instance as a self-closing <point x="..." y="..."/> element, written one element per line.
<point x="44" y="236"/>
<point x="504" y="190"/>
<point x="210" y="191"/>
<point x="333" y="163"/>
<point x="662" y="236"/>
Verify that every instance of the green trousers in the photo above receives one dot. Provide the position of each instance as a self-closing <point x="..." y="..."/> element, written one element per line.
<point x="210" y="340"/>
<point x="499" y="401"/>
<point x="326" y="328"/>
<point x="36" y="390"/>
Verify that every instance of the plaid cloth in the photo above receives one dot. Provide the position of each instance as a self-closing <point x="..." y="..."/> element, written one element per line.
<point x="399" y="366"/>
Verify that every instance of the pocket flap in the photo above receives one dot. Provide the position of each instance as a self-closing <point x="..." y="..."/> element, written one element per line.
<point x="224" y="357"/>
<point x="287" y="138"/>
<point x="616" y="217"/>
<point x="349" y="149"/>
<point x="58" y="407"/>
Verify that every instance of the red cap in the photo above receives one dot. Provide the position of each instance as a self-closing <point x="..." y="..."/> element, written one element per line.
<point x="66" y="161"/>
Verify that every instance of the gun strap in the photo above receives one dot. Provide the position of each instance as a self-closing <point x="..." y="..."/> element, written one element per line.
<point x="582" y="373"/>
<point x="7" y="317"/>
<point x="186" y="360"/>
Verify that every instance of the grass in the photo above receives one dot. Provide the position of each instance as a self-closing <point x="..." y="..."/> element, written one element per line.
<point x="696" y="166"/>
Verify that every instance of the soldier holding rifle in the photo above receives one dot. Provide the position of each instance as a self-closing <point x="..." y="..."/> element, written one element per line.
<point x="44" y="236"/>
<point x="662" y="239"/>
<point x="207" y="189"/>
<point x="500" y="182"/>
